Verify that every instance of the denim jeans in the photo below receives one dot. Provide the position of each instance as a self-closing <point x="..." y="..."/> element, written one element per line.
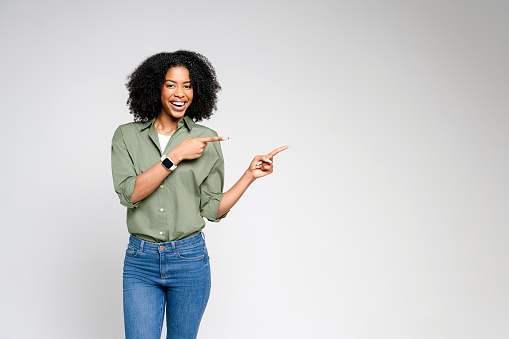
<point x="173" y="275"/>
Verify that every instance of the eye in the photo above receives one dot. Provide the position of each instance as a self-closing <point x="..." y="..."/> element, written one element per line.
<point x="188" y="87"/>
<point x="170" y="86"/>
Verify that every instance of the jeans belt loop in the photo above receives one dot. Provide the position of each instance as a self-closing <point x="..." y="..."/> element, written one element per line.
<point x="141" y="246"/>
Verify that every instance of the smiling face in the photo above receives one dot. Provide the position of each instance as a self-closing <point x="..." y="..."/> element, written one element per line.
<point x="176" y="93"/>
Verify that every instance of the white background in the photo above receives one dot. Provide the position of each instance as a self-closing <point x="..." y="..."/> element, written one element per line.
<point x="388" y="218"/>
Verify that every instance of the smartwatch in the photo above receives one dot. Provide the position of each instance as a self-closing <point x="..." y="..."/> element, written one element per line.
<point x="167" y="163"/>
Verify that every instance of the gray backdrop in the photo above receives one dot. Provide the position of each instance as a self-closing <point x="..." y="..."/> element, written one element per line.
<point x="386" y="219"/>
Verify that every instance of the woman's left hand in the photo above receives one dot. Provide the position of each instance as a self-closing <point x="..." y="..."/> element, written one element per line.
<point x="263" y="165"/>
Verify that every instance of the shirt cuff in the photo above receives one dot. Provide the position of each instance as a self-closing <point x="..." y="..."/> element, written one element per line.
<point x="210" y="211"/>
<point x="127" y="193"/>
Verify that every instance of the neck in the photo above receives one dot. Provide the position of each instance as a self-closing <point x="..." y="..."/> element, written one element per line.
<point x="166" y="124"/>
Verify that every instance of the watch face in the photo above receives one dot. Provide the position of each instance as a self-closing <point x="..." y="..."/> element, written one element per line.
<point x="167" y="163"/>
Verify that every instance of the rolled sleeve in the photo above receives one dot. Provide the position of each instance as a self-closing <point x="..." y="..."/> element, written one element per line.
<point x="211" y="192"/>
<point x="124" y="175"/>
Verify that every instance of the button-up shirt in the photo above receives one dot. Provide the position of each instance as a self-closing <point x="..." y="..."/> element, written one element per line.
<point x="193" y="191"/>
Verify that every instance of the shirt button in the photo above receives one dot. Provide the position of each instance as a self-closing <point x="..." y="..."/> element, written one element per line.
<point x="162" y="209"/>
<point x="162" y="186"/>
<point x="160" y="232"/>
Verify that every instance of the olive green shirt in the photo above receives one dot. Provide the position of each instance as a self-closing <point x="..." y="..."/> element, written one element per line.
<point x="193" y="191"/>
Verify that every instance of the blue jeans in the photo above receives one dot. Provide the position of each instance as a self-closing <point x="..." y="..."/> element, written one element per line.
<point x="173" y="275"/>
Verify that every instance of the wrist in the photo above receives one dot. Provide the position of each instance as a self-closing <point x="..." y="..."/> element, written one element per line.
<point x="248" y="176"/>
<point x="174" y="157"/>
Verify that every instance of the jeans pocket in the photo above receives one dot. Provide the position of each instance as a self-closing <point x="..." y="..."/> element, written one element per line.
<point x="193" y="252"/>
<point x="131" y="251"/>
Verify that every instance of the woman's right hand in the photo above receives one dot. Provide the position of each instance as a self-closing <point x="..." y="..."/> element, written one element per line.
<point x="191" y="148"/>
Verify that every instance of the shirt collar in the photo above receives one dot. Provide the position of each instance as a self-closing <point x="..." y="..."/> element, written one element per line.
<point x="187" y="121"/>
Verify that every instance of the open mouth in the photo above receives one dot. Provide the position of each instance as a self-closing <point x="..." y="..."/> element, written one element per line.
<point x="179" y="105"/>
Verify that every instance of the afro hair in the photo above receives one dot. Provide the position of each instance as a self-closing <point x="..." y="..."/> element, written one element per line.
<point x="145" y="84"/>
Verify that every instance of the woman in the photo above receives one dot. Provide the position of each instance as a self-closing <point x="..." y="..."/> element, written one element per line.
<point x="169" y="172"/>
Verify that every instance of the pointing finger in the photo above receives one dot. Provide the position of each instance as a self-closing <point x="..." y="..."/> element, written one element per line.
<point x="277" y="150"/>
<point x="211" y="139"/>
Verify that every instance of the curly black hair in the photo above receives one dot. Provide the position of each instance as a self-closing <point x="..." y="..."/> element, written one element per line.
<point x="145" y="84"/>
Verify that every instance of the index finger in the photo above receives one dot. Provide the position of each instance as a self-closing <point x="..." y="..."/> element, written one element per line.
<point x="211" y="139"/>
<point x="277" y="150"/>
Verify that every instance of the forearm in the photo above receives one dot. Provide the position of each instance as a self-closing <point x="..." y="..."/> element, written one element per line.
<point x="233" y="195"/>
<point x="260" y="166"/>
<point x="149" y="180"/>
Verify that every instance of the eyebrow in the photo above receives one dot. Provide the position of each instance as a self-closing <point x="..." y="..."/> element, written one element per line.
<point x="185" y="82"/>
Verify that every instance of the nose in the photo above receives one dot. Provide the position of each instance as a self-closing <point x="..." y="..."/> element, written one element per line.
<point x="179" y="92"/>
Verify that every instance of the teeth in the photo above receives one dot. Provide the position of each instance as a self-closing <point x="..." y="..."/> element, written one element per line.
<point x="178" y="103"/>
